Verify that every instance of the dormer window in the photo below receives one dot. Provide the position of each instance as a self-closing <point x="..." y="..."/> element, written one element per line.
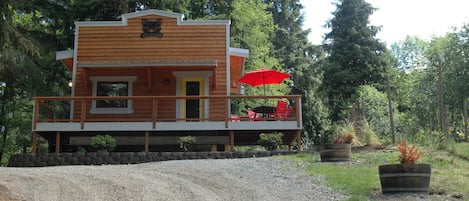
<point x="111" y="87"/>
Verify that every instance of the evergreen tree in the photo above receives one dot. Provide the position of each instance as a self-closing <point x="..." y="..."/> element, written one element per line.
<point x="17" y="47"/>
<point x="298" y="57"/>
<point x="355" y="56"/>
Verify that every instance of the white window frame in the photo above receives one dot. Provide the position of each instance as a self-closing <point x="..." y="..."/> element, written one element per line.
<point x="129" y="79"/>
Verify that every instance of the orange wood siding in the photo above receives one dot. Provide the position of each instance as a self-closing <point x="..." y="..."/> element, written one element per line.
<point x="124" y="44"/>
<point x="236" y="67"/>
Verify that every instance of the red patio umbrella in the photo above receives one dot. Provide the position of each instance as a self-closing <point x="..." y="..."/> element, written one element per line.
<point x="263" y="77"/>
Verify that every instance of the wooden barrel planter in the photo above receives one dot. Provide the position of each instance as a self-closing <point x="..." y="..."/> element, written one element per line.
<point x="335" y="152"/>
<point x="397" y="178"/>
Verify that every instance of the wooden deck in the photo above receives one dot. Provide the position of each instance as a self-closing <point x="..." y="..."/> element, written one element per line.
<point x="150" y="128"/>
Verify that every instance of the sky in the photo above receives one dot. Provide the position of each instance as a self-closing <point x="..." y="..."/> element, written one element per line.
<point x="398" y="18"/>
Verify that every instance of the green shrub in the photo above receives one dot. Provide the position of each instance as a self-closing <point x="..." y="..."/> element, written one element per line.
<point x="103" y="143"/>
<point x="81" y="150"/>
<point x="270" y="141"/>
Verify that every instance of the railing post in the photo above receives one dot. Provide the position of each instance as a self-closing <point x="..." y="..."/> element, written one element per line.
<point x="83" y="113"/>
<point x="298" y="111"/>
<point x="227" y="115"/>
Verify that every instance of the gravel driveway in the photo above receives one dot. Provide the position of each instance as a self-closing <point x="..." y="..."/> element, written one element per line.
<point x="210" y="179"/>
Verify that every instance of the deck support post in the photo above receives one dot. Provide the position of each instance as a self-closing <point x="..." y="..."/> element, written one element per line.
<point x="289" y="146"/>
<point x="213" y="148"/>
<point x="34" y="145"/>
<point x="57" y="142"/>
<point x="231" y="140"/>
<point x="298" y="139"/>
<point x="147" y="141"/>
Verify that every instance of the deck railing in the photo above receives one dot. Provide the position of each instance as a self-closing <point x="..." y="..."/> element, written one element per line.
<point x="77" y="109"/>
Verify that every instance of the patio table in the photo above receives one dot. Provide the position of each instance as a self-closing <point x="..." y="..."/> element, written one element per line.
<point x="266" y="111"/>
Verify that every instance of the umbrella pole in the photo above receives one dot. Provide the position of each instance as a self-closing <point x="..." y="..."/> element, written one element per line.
<point x="265" y="99"/>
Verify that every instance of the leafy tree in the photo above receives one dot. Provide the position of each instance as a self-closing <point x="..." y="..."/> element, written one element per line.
<point x="455" y="75"/>
<point x="410" y="53"/>
<point x="438" y="63"/>
<point x="210" y="8"/>
<point x="252" y="27"/>
<point x="355" y="56"/>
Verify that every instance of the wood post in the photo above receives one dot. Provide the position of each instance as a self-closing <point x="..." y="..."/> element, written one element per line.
<point x="213" y="148"/>
<point x="36" y="113"/>
<point x="57" y="142"/>
<point x="232" y="141"/>
<point x="298" y="139"/>
<point x="154" y="112"/>
<point x="147" y="141"/>
<point x="34" y="146"/>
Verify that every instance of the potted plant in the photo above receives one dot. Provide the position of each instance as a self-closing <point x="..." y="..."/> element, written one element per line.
<point x="407" y="176"/>
<point x="185" y="142"/>
<point x="339" y="150"/>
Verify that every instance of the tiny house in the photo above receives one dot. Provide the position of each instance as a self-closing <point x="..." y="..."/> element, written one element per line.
<point x="148" y="80"/>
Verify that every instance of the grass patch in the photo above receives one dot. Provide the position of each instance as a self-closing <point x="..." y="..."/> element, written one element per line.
<point x="449" y="171"/>
<point x="462" y="149"/>
<point x="360" y="179"/>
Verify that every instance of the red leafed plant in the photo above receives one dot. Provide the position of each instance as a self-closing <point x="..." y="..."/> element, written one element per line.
<point x="339" y="141"/>
<point x="409" y="154"/>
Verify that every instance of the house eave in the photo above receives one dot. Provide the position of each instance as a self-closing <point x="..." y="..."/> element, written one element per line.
<point x="64" y="54"/>
<point x="211" y="63"/>
<point x="240" y="52"/>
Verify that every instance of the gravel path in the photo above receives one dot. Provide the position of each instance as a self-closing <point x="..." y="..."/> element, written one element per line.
<point x="218" y="179"/>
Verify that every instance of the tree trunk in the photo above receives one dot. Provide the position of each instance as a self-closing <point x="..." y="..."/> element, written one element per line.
<point x="391" y="116"/>
<point x="441" y="101"/>
<point x="464" y="106"/>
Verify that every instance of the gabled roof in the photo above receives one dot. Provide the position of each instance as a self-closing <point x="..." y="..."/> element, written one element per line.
<point x="178" y="16"/>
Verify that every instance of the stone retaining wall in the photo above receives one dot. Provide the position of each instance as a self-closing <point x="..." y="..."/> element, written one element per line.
<point x="94" y="158"/>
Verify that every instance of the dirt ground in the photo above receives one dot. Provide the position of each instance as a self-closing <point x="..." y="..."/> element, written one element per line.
<point x="260" y="179"/>
<point x="5" y="194"/>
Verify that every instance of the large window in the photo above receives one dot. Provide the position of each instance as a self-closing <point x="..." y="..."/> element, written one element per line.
<point x="112" y="86"/>
<point x="112" y="89"/>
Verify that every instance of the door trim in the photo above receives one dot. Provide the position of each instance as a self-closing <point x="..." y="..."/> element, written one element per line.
<point x="182" y="76"/>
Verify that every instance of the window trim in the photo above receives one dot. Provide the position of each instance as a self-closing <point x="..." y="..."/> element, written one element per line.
<point x="129" y="79"/>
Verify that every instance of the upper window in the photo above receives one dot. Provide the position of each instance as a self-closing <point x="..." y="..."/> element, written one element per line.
<point x="112" y="86"/>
